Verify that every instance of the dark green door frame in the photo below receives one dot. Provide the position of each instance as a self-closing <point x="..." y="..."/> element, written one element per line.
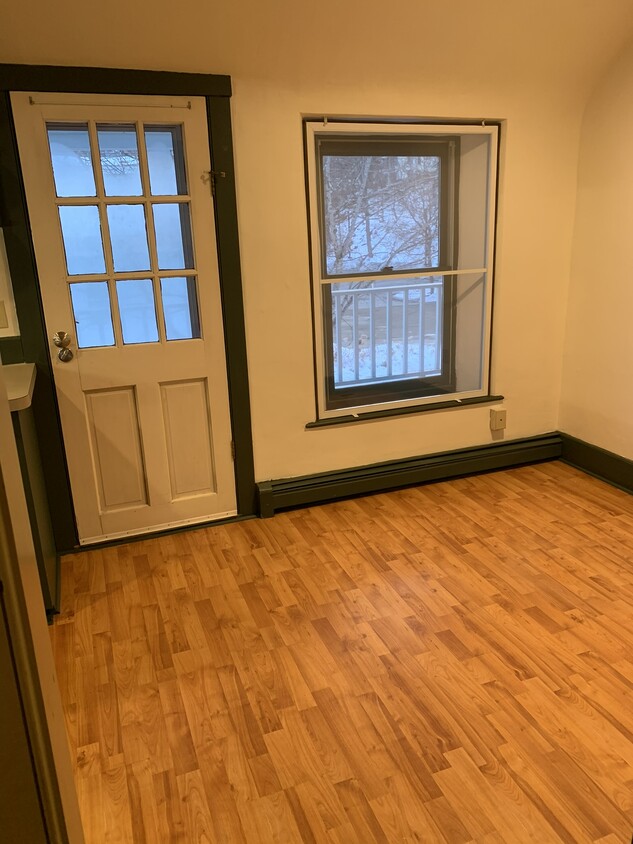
<point x="15" y="223"/>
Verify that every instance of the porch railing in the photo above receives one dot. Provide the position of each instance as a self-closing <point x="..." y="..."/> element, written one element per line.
<point x="386" y="333"/>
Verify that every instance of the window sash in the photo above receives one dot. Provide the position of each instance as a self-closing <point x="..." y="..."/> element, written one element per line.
<point x="353" y="146"/>
<point x="392" y="386"/>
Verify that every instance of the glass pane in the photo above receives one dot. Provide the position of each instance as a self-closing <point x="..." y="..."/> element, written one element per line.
<point x="137" y="311"/>
<point x="118" y="149"/>
<point x="128" y="236"/>
<point x="470" y="330"/>
<point x="386" y="330"/>
<point x="173" y="236"/>
<point x="381" y="212"/>
<point x="166" y="160"/>
<point x="81" y="231"/>
<point x="180" y="306"/>
<point x="70" y="155"/>
<point x="93" y="319"/>
<point x="473" y="208"/>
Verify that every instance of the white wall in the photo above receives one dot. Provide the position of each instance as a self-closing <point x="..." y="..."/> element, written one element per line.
<point x="528" y="64"/>
<point x="597" y="396"/>
<point x="536" y="211"/>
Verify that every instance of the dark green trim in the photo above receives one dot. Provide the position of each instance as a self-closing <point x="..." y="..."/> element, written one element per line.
<point x="401" y="411"/>
<point x="596" y="461"/>
<point x="51" y="601"/>
<point x="11" y="350"/>
<point x="21" y="258"/>
<point x="378" y="477"/>
<point x="219" y="117"/>
<point x="266" y="499"/>
<point x="57" y="598"/>
<point x="102" y="80"/>
<point x="30" y="506"/>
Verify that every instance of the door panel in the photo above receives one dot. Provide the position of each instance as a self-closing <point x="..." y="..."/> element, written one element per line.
<point x="187" y="434"/>
<point x="115" y="438"/>
<point x="122" y="221"/>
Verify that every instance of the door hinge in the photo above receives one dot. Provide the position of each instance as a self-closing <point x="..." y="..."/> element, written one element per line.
<point x="233" y="449"/>
<point x="212" y="176"/>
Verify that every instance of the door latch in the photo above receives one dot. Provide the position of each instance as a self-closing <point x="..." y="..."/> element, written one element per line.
<point x="62" y="340"/>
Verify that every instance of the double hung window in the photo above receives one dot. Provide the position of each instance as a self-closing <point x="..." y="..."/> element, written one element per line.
<point x="401" y="225"/>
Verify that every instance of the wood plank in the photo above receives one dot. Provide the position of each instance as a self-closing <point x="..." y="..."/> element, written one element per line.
<point x="449" y="663"/>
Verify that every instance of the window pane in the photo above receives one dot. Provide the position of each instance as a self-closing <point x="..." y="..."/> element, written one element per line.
<point x="70" y="155"/>
<point x="474" y="203"/>
<point x="166" y="160"/>
<point x="470" y="317"/>
<point x="137" y="311"/>
<point x="81" y="231"/>
<point x="118" y="150"/>
<point x="180" y="306"/>
<point x="128" y="236"/>
<point x="173" y="236"/>
<point x="93" y="319"/>
<point x="381" y="212"/>
<point x="386" y="330"/>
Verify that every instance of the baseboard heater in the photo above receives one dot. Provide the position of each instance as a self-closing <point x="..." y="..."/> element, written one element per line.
<point x="285" y="493"/>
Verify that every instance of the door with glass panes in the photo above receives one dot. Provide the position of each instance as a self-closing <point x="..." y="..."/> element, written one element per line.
<point x="121" y="213"/>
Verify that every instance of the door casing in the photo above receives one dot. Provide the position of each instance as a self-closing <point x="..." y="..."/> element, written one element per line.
<point x="20" y="254"/>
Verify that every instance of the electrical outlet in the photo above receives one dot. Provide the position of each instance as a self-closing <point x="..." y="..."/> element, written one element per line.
<point x="497" y="420"/>
<point x="4" y="319"/>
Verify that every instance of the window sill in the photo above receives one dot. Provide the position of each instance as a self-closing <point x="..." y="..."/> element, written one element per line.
<point x="400" y="411"/>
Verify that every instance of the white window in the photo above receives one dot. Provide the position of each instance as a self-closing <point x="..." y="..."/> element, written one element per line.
<point x="402" y="236"/>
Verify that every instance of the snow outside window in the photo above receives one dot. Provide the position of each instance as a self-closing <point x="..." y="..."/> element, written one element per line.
<point x="401" y="224"/>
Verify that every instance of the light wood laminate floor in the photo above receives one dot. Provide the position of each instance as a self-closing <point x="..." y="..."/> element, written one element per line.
<point x="447" y="663"/>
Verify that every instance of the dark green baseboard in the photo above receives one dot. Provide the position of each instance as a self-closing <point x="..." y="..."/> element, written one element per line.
<point x="598" y="462"/>
<point x="378" y="477"/>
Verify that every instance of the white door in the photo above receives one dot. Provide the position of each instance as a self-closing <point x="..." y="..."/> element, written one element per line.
<point x="121" y="213"/>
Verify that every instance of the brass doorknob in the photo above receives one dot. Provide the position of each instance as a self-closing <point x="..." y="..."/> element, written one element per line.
<point x="62" y="340"/>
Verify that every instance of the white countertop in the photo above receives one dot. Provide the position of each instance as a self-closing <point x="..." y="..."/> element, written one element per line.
<point x="20" y="381"/>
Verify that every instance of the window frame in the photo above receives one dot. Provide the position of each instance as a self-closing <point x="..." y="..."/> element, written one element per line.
<point x="321" y="134"/>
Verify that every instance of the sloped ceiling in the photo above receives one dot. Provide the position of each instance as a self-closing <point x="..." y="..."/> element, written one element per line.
<point x="555" y="45"/>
